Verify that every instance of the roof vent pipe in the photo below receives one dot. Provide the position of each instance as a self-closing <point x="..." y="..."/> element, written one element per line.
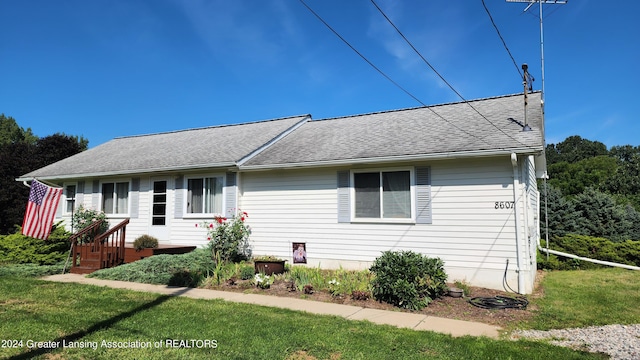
<point x="527" y="87"/>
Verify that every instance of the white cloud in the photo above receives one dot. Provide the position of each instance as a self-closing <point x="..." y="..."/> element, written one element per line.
<point x="248" y="31"/>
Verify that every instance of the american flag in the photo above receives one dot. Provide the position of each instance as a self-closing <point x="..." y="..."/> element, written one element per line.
<point x="41" y="209"/>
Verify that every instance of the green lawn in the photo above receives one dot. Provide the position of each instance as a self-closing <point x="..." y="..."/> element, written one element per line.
<point x="34" y="310"/>
<point x="587" y="298"/>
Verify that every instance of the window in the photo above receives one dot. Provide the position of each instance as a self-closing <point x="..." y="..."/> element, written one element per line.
<point x="115" y="198"/>
<point x="382" y="195"/>
<point x="400" y="195"/>
<point x="159" y="203"/>
<point x="204" y="195"/>
<point x="70" y="198"/>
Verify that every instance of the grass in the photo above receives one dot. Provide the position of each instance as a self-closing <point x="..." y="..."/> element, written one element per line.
<point x="36" y="310"/>
<point x="30" y="270"/>
<point x="583" y="298"/>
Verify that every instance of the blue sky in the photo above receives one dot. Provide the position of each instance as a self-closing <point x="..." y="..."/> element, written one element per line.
<point x="108" y="68"/>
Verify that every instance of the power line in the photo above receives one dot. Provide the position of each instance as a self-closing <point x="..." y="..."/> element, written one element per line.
<point x="441" y="77"/>
<point x="502" y="39"/>
<point x="360" y="54"/>
<point x="395" y="83"/>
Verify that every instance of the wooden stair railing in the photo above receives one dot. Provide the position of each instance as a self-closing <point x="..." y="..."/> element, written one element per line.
<point x="82" y="244"/>
<point x="111" y="245"/>
<point x="93" y="251"/>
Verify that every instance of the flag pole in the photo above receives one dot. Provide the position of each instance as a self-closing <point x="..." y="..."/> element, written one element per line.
<point x="73" y="212"/>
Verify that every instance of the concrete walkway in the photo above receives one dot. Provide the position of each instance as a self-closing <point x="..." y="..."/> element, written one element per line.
<point x="395" y="318"/>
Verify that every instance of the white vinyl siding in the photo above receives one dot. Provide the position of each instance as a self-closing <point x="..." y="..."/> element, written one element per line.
<point x="467" y="231"/>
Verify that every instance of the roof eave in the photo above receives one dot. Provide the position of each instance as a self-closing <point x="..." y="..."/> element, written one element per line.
<point x="394" y="159"/>
<point x="224" y="165"/>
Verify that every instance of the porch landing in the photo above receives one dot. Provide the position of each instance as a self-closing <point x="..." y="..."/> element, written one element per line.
<point x="131" y="254"/>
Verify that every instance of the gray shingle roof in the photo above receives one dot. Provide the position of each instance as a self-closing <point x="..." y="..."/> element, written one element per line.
<point x="442" y="129"/>
<point x="454" y="129"/>
<point x="196" y="148"/>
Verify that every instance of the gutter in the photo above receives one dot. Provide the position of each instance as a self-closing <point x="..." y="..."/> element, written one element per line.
<point x="131" y="172"/>
<point x="391" y="159"/>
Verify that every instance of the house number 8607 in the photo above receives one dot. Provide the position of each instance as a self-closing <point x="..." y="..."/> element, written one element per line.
<point x="504" y="204"/>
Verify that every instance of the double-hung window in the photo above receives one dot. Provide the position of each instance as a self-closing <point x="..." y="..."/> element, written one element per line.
<point x="70" y="198"/>
<point x="115" y="197"/>
<point x="382" y="195"/>
<point x="204" y="195"/>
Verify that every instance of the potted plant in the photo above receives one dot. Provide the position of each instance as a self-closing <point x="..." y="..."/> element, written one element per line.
<point x="268" y="265"/>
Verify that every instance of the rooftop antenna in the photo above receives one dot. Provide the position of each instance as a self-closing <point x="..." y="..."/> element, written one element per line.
<point x="540" y="2"/>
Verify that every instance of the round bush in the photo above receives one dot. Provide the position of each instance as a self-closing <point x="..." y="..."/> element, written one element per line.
<point x="247" y="272"/>
<point x="145" y="242"/>
<point x="407" y="279"/>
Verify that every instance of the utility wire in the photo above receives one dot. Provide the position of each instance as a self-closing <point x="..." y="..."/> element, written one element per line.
<point x="501" y="38"/>
<point x="441" y="77"/>
<point x="395" y="83"/>
<point x="362" y="56"/>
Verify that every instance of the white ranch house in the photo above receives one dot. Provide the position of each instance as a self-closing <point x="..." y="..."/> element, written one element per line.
<point x="441" y="180"/>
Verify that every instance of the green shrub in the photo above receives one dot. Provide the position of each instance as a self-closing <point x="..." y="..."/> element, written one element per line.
<point x="408" y="279"/>
<point x="30" y="270"/>
<point x="623" y="252"/>
<point x="247" y="272"/>
<point x="183" y="269"/>
<point x="19" y="249"/>
<point x="145" y="242"/>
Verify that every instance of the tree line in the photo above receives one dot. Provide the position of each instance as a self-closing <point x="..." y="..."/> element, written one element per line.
<point x="592" y="190"/>
<point x="21" y="152"/>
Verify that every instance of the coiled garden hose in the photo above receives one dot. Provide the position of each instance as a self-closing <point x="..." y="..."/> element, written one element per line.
<point x="499" y="302"/>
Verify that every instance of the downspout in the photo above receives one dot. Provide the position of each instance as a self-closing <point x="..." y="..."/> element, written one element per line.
<point x="520" y="261"/>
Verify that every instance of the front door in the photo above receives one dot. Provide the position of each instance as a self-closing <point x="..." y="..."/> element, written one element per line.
<point x="160" y="219"/>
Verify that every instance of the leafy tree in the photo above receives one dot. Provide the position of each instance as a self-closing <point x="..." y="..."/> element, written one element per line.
<point x="20" y="154"/>
<point x="15" y="160"/>
<point x="573" y="149"/>
<point x="624" y="153"/>
<point x="11" y="133"/>
<point x="574" y="178"/>
<point x="57" y="147"/>
<point x="625" y="181"/>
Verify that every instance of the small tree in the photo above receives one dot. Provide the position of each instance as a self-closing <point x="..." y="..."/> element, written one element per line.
<point x="563" y="217"/>
<point x="601" y="216"/>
